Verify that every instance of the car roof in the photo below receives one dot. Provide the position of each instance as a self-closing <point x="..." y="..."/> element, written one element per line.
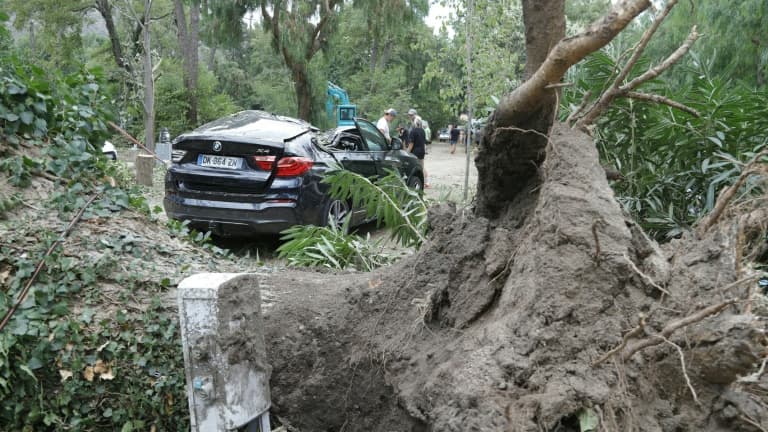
<point x="251" y="125"/>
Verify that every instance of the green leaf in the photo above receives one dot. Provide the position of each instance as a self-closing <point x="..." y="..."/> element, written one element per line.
<point x="34" y="363"/>
<point x="15" y="89"/>
<point x="11" y="117"/>
<point x="27" y="117"/>
<point x="588" y="420"/>
<point x="28" y="371"/>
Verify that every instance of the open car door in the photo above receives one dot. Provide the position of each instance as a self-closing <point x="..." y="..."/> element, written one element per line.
<point x="379" y="148"/>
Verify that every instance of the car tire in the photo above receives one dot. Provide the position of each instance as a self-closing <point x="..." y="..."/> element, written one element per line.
<point x="336" y="212"/>
<point x="415" y="182"/>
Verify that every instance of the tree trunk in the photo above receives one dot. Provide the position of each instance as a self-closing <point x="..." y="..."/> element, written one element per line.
<point x="303" y="92"/>
<point x="105" y="10"/>
<point x="513" y="145"/>
<point x="149" y="82"/>
<point x="212" y="58"/>
<point x="544" y="27"/>
<point x="188" y="36"/>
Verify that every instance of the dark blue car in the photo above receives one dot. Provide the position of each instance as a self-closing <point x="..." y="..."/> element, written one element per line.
<point x="258" y="173"/>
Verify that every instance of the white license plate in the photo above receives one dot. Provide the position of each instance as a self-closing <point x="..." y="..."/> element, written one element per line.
<point x="219" y="161"/>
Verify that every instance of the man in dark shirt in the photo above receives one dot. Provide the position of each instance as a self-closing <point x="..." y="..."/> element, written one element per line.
<point x="417" y="144"/>
<point x="454" y="132"/>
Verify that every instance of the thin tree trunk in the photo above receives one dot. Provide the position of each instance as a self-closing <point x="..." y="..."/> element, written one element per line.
<point x="303" y="92"/>
<point x="188" y="36"/>
<point x="374" y="48"/>
<point x="105" y="10"/>
<point x="149" y="83"/>
<point x="212" y="58"/>
<point x="544" y="26"/>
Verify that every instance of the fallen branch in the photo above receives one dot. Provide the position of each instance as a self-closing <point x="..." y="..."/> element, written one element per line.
<point x="567" y="52"/>
<point x="41" y="263"/>
<point x="725" y="197"/>
<point x="130" y="138"/>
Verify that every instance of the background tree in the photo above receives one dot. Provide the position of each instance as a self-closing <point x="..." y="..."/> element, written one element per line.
<point x="299" y="30"/>
<point x="188" y="31"/>
<point x="736" y="42"/>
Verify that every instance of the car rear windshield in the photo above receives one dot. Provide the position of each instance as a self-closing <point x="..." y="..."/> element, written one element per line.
<point x="298" y="147"/>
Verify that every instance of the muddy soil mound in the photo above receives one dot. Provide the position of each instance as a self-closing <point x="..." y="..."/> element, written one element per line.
<point x="558" y="312"/>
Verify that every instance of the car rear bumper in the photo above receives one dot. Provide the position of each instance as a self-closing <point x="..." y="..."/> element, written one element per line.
<point x="226" y="218"/>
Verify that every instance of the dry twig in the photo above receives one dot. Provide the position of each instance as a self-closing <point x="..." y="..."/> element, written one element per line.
<point x="28" y="285"/>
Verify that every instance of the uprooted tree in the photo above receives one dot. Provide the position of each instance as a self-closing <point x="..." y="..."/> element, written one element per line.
<point x="546" y="308"/>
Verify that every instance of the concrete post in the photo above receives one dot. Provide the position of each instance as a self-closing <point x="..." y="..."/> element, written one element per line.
<point x="224" y="352"/>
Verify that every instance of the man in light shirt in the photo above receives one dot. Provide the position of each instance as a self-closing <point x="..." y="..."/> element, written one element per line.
<point x="384" y="121"/>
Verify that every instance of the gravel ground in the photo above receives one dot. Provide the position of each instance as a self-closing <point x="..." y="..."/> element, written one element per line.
<point x="446" y="172"/>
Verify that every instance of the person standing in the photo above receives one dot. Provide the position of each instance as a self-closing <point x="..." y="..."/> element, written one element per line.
<point x="417" y="144"/>
<point x="402" y="133"/>
<point x="454" y="137"/>
<point x="384" y="121"/>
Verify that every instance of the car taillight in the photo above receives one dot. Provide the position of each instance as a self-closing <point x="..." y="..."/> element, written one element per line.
<point x="293" y="166"/>
<point x="264" y="162"/>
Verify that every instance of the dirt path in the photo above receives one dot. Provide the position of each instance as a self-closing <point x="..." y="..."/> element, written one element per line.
<point x="446" y="172"/>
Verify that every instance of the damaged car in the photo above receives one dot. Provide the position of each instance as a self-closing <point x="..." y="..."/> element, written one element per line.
<point x="257" y="173"/>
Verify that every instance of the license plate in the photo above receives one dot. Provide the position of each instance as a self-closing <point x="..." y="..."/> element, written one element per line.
<point x="214" y="161"/>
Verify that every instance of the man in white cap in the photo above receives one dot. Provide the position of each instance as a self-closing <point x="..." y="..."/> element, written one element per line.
<point x="413" y="115"/>
<point x="384" y="121"/>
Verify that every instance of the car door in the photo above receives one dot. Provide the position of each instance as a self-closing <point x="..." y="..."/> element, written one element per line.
<point x="354" y="155"/>
<point x="382" y="154"/>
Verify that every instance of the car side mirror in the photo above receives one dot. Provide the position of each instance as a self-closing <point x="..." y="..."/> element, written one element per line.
<point x="396" y="144"/>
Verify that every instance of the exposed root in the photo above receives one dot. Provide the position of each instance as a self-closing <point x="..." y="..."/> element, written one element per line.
<point x="682" y="365"/>
<point x="632" y="334"/>
<point x="656" y="339"/>
<point x="675" y="325"/>
<point x="644" y="276"/>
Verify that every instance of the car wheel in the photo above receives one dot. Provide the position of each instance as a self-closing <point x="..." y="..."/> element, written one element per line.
<point x="415" y="183"/>
<point x="337" y="212"/>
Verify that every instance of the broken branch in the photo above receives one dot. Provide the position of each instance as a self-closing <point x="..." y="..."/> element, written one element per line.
<point x="664" y="101"/>
<point x="666" y="64"/>
<point x="130" y="138"/>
